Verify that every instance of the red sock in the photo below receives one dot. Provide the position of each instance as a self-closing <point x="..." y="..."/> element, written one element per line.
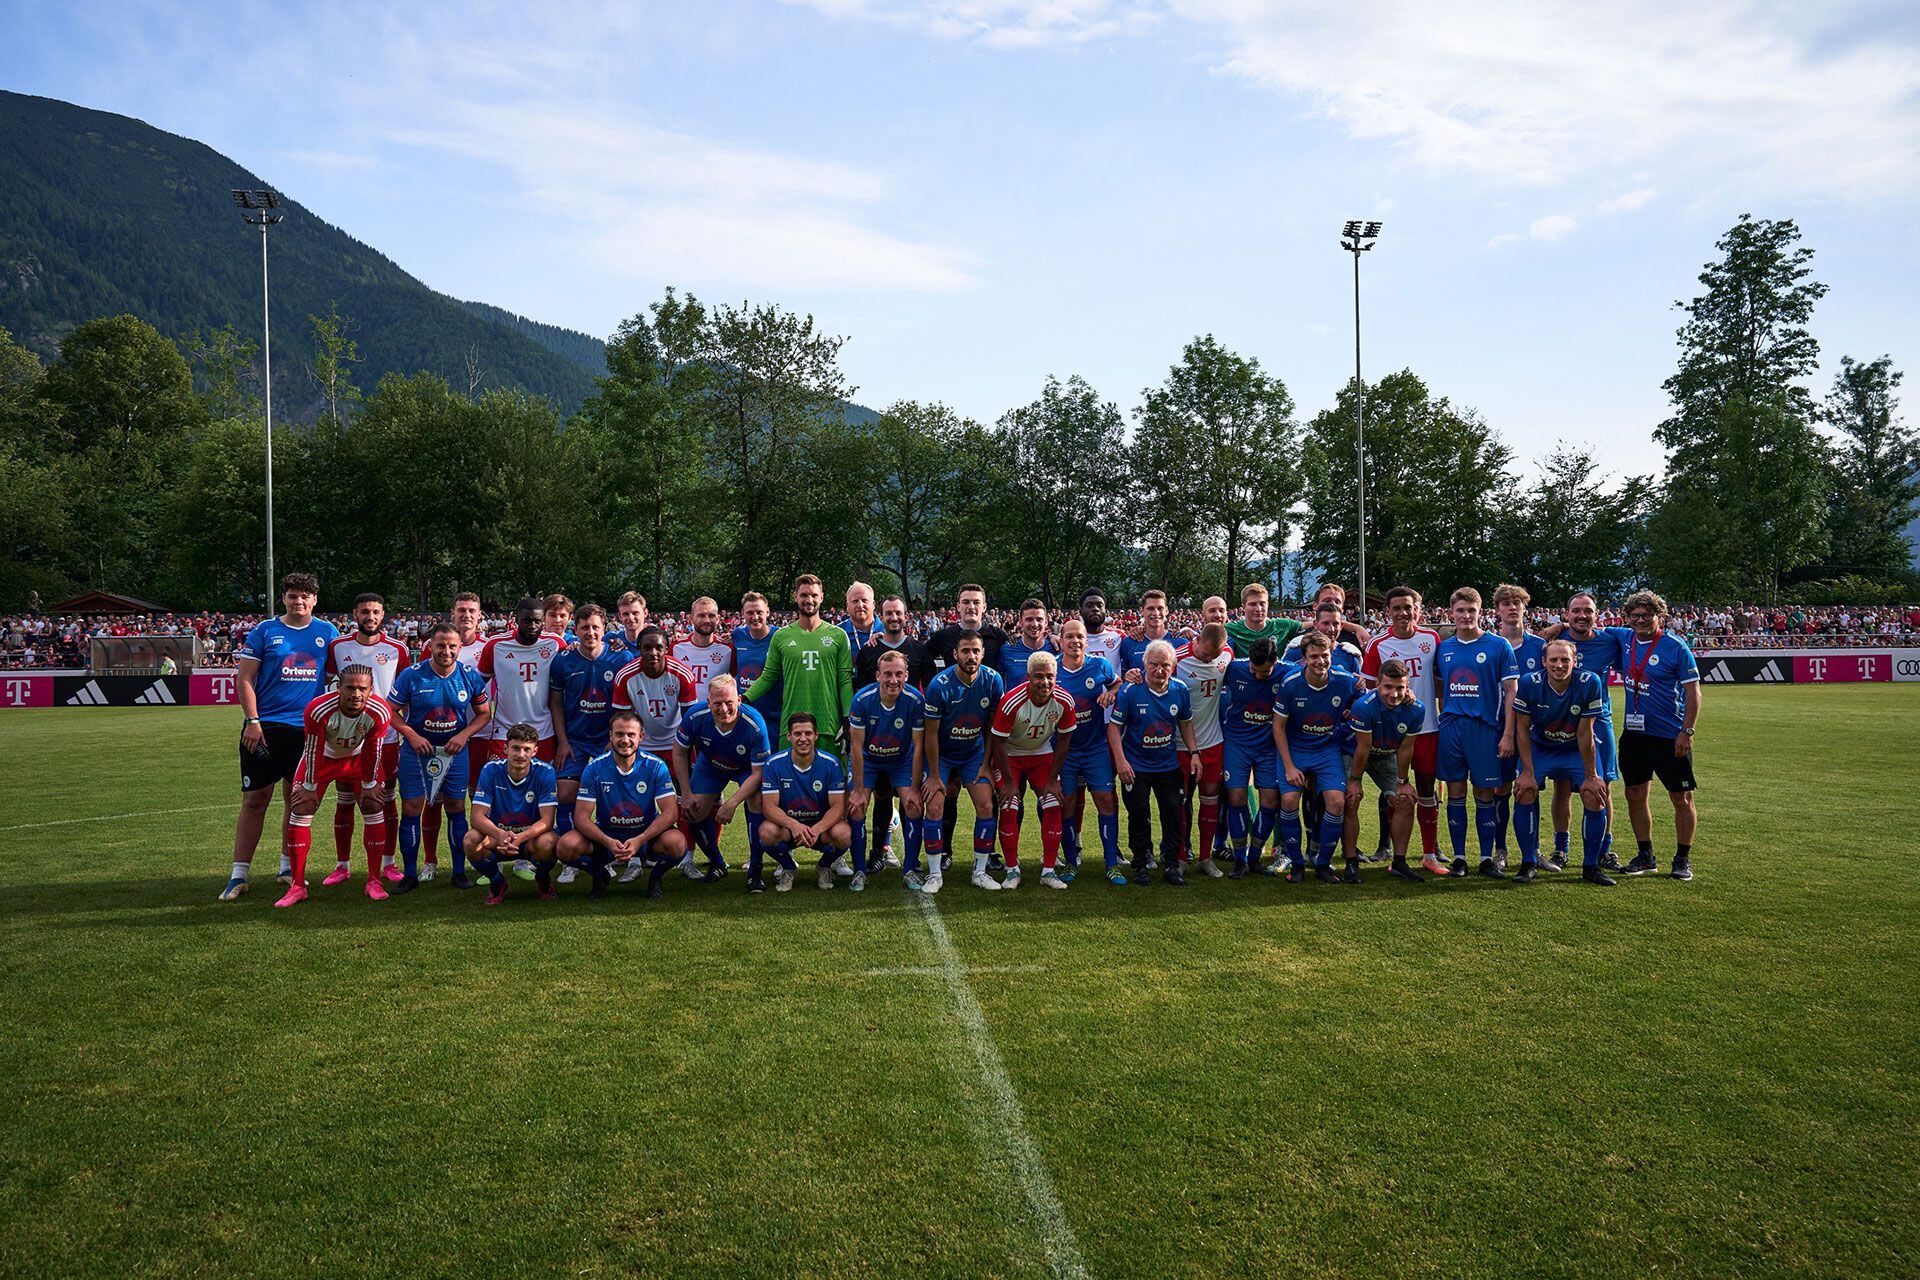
<point x="299" y="838"/>
<point x="392" y="814"/>
<point x="1209" y="823"/>
<point x="430" y="834"/>
<point x="1010" y="834"/>
<point x="1049" y="835"/>
<point x="1428" y="812"/>
<point x="374" y="832"/>
<point x="342" y="832"/>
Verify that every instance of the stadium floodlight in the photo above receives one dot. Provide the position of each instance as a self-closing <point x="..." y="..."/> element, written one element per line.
<point x="261" y="206"/>
<point x="1357" y="237"/>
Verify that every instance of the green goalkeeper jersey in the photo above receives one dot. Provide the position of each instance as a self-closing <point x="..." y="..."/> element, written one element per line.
<point x="1241" y="636"/>
<point x="814" y="672"/>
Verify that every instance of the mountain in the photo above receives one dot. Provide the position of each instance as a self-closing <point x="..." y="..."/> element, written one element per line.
<point x="101" y="214"/>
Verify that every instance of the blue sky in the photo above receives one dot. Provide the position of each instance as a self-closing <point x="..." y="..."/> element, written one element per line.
<point x="984" y="192"/>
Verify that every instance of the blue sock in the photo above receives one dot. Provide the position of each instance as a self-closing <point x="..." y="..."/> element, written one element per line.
<point x="910" y="836"/>
<point x="1606" y="837"/>
<point x="489" y="867"/>
<point x="410" y="843"/>
<point x="1502" y="817"/>
<point x="1457" y="827"/>
<point x="1485" y="821"/>
<point x="1526" y="831"/>
<point x="755" y="849"/>
<point x="1593" y="836"/>
<point x="1263" y="824"/>
<point x="1331" y="825"/>
<point x="1109" y="824"/>
<point x="457" y="839"/>
<point x="562" y="819"/>
<point x="782" y="855"/>
<point x="859" y="827"/>
<point x="983" y="832"/>
<point x="1237" y="828"/>
<point x="1290" y="835"/>
<point x="706" y="834"/>
<point x="1070" y="840"/>
<point x="1560" y="842"/>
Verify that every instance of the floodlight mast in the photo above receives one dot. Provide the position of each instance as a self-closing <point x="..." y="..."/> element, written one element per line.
<point x="259" y="207"/>
<point x="1357" y="237"/>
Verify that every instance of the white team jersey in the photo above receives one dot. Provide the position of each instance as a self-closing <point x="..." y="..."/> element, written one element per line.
<point x="703" y="662"/>
<point x="1203" y="679"/>
<point x="1029" y="726"/>
<point x="1418" y="653"/>
<point x="385" y="655"/>
<point x="521" y="681"/>
<point x="470" y="651"/>
<point x="660" y="702"/>
<point x="1105" y="643"/>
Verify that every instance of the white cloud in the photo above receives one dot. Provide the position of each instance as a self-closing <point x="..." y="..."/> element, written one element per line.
<point x="1626" y="202"/>
<point x="1004" y="24"/>
<point x="1552" y="227"/>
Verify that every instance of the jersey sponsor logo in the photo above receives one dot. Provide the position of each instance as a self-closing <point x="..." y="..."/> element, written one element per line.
<point x="1463" y="684"/>
<point x="810" y="659"/>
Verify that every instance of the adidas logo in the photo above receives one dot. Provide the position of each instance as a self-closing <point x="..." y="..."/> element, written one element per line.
<point x="1769" y="674"/>
<point x="1718" y="673"/>
<point x="156" y="695"/>
<point x="1721" y="673"/>
<point x="88" y="696"/>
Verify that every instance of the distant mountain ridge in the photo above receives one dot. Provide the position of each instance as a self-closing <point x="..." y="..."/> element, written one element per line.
<point x="102" y="214"/>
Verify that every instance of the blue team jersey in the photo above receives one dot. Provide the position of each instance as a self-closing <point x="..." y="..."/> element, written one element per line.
<point x="293" y="667"/>
<point x="1529" y="655"/>
<point x="749" y="660"/>
<point x="1013" y="659"/>
<point x="1345" y="657"/>
<point x="737" y="751"/>
<point x="803" y="793"/>
<point x="435" y="706"/>
<point x="514" y="804"/>
<point x="1470" y="676"/>
<point x="1657" y="676"/>
<point x="857" y="636"/>
<point x="625" y="804"/>
<point x="1389" y="726"/>
<point x="890" y="731"/>
<point x="1133" y="653"/>
<point x="585" y="686"/>
<point x="963" y="711"/>
<point x="1601" y="653"/>
<point x="1316" y="717"/>
<point x="1085" y="686"/>
<point x="617" y="641"/>
<point x="1150" y="724"/>
<point x="1246" y="703"/>
<point x="1556" y="717"/>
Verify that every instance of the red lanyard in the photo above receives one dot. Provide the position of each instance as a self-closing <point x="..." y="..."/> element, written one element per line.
<point x="1636" y="672"/>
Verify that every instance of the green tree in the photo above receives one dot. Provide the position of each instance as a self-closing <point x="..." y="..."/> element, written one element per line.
<point x="1064" y="500"/>
<point x="222" y="363"/>
<point x="331" y="367"/>
<point x="214" y="517"/>
<point x="1877" y="473"/>
<point x="1572" y="530"/>
<point x="916" y="473"/>
<point x="1745" y="466"/>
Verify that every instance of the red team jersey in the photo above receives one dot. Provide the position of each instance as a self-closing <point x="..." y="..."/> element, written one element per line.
<point x="1029" y="726"/>
<point x="704" y="661"/>
<point x="340" y="746"/>
<point x="660" y="702"/>
<point x="1203" y="681"/>
<point x="385" y="655"/>
<point x="1418" y="652"/>
<point x="520" y="675"/>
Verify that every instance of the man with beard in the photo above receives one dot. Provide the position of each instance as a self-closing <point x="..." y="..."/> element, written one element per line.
<point x="370" y="647"/>
<point x="972" y="610"/>
<point x="1102" y="641"/>
<point x="704" y="652"/>
<point x="812" y="665"/>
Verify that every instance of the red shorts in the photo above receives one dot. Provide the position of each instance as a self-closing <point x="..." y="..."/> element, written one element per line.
<point x="1426" y="754"/>
<point x="340" y="771"/>
<point x="1037" y="770"/>
<point x="389" y="762"/>
<point x="1212" y="763"/>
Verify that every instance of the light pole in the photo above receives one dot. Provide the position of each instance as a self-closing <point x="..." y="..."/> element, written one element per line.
<point x="1356" y="238"/>
<point x="260" y="211"/>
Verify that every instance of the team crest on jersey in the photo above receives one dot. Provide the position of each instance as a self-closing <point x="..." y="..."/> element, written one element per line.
<point x="319" y="642"/>
<point x="528" y="797"/>
<point x="817" y="784"/>
<point x="1479" y="657"/>
<point x="641" y="788"/>
<point x="1336" y="700"/>
<point x="740" y="750"/>
<point x="461" y="695"/>
<point x="898" y="723"/>
<point x="1654" y="661"/>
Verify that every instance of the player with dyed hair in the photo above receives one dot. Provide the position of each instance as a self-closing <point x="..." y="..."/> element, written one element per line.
<point x="627" y="812"/>
<point x="513" y="814"/>
<point x="342" y="735"/>
<point x="723" y="742"/>
<point x="1032" y="731"/>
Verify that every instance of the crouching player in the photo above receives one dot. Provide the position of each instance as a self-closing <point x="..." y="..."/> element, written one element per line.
<point x="1247" y="694"/>
<point x="439" y="705"/>
<point x="626" y="812"/>
<point x="1032" y="732"/>
<point x="1555" y="713"/>
<point x="1386" y="725"/>
<point x="803" y="801"/>
<point x="720" y="743"/>
<point x="1309" y="731"/>
<point x="344" y="729"/>
<point x="883" y="728"/>
<point x="513" y="814"/>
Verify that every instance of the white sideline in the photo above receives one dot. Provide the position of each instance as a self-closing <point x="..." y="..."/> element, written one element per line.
<point x="1001" y="1122"/>
<point x="114" y="817"/>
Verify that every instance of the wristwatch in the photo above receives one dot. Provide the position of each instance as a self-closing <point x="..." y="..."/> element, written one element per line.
<point x="246" y="720"/>
<point x="1686" y="731"/>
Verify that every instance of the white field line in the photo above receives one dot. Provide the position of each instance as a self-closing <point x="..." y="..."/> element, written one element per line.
<point x="998" y="1121"/>
<point x="935" y="971"/>
<point x="117" y="817"/>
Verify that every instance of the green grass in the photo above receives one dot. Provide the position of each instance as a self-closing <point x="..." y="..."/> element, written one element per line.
<point x="1236" y="1078"/>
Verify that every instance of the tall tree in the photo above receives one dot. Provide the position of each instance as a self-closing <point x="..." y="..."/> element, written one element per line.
<point x="1741" y="442"/>
<point x="1877" y="473"/>
<point x="1574" y="530"/>
<point x="1064" y="501"/>
<point x="331" y="368"/>
<point x="222" y="361"/>
<point x="916" y="476"/>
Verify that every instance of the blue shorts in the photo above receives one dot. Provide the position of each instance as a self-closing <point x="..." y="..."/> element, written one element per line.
<point x="577" y="761"/>
<point x="1564" y="765"/>
<point x="1469" y="752"/>
<point x="709" y="781"/>
<point x="972" y="769"/>
<point x="1094" y="771"/>
<point x="1262" y="763"/>
<point x="897" y="773"/>
<point x="1606" y="751"/>
<point x="413" y="776"/>
<point x="1325" y="767"/>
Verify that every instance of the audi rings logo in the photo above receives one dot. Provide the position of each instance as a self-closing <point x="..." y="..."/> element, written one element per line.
<point x="1906" y="668"/>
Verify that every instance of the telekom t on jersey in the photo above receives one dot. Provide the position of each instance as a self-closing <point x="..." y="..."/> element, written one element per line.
<point x="522" y="679"/>
<point x="703" y="662"/>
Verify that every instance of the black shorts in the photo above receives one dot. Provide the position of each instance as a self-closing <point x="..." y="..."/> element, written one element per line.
<point x="1642" y="756"/>
<point x="277" y="758"/>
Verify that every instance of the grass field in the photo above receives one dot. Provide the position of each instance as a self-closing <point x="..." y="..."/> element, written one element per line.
<point x="1251" y="1078"/>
